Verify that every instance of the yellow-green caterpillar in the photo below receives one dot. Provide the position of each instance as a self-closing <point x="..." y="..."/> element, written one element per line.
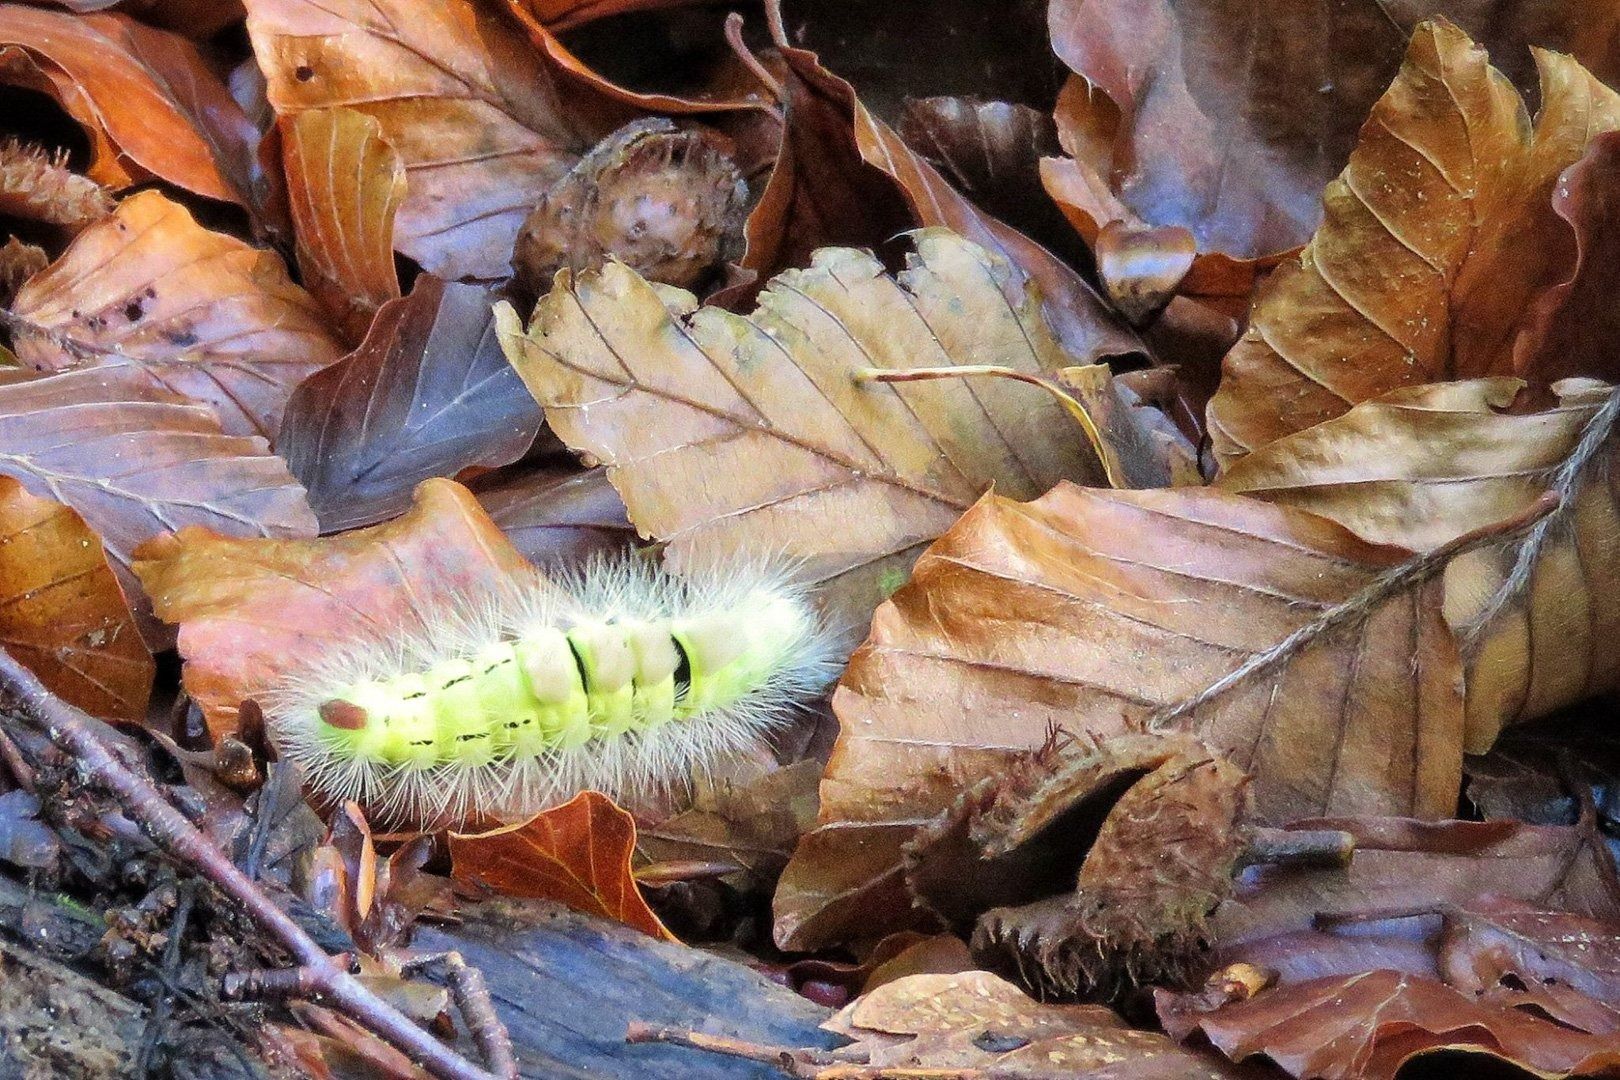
<point x="620" y="678"/>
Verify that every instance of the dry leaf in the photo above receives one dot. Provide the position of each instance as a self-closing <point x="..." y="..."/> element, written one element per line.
<point x="1437" y="236"/>
<point x="1367" y="1025"/>
<point x="428" y="393"/>
<point x="577" y="854"/>
<point x="1419" y="466"/>
<point x="739" y="436"/>
<point x="197" y="312"/>
<point x="960" y="1024"/>
<point x="62" y="612"/>
<point x="148" y="101"/>
<point x="557" y="515"/>
<point x="1088" y="610"/>
<point x="753" y="825"/>
<point x="141" y="461"/>
<point x="344" y="186"/>
<point x="1228" y="119"/>
<point x="477" y="116"/>
<point x="250" y="610"/>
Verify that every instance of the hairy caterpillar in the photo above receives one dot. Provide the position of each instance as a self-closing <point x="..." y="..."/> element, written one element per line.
<point x="620" y="678"/>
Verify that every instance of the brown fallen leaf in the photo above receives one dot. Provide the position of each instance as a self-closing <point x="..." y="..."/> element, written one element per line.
<point x="1420" y="465"/>
<point x="1091" y="611"/>
<point x="482" y="121"/>
<point x="344" y="186"/>
<point x="427" y="393"/>
<point x="140" y="460"/>
<point x="62" y="612"/>
<point x="248" y="610"/>
<point x="1366" y="1026"/>
<point x="556" y="515"/>
<point x="1228" y="120"/>
<point x="730" y="436"/>
<point x="753" y="824"/>
<point x="150" y="104"/>
<point x="1437" y="236"/>
<point x="196" y="312"/>
<point x="577" y="854"/>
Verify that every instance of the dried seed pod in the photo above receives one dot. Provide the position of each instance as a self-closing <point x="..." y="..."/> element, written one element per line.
<point x="18" y="263"/>
<point x="38" y="186"/>
<point x="1093" y="870"/>
<point x="669" y="202"/>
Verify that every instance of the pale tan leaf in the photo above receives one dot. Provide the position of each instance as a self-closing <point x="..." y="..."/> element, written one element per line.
<point x="1091" y="610"/>
<point x="732" y="436"/>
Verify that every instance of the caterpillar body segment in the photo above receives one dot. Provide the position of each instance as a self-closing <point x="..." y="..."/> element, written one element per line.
<point x="622" y="679"/>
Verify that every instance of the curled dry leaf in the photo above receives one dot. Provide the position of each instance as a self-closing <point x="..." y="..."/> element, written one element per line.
<point x="668" y="203"/>
<point x="248" y="610"/>
<point x="199" y="313"/>
<point x="477" y="116"/>
<point x="577" y="854"/>
<point x="18" y="263"/>
<point x="732" y="436"/>
<point x="141" y="460"/>
<point x="1365" y="1026"/>
<point x="845" y="177"/>
<point x="428" y="393"/>
<point x="556" y="515"/>
<point x="1228" y="120"/>
<point x="344" y="186"/>
<point x="752" y="825"/>
<point x="149" y="102"/>
<point x="1420" y="465"/>
<point x="1092" y="610"/>
<point x="62" y="612"/>
<point x="1437" y="236"/>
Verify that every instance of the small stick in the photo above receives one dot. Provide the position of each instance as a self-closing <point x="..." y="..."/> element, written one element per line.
<point x="74" y="731"/>
<point x="734" y="23"/>
<point x="1316" y="848"/>
<point x="270" y="984"/>
<point x="797" y="1063"/>
<point x="472" y="1000"/>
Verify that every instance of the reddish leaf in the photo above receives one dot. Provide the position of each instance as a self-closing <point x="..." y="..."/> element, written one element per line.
<point x="62" y="612"/>
<point x="428" y="393"/>
<point x="196" y="312"/>
<point x="249" y="610"/>
<point x="577" y="854"/>
<point x="557" y="515"/>
<point x="344" y="185"/>
<point x="149" y="102"/>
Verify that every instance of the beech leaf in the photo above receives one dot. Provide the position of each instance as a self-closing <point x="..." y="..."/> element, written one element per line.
<point x="1436" y="237"/>
<point x="577" y="854"/>
<point x="344" y="186"/>
<point x="428" y="393"/>
<point x="738" y="436"/>
<point x="197" y="312"/>
<point x="1091" y="610"/>
<point x="62" y="612"/>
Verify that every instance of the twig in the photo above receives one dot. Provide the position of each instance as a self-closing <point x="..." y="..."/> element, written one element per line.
<point x="75" y="732"/>
<point x="799" y="1063"/>
<point x="1319" y="848"/>
<point x="1395" y="580"/>
<point x="472" y="1000"/>
<point x="270" y="984"/>
<point x="1564" y="482"/>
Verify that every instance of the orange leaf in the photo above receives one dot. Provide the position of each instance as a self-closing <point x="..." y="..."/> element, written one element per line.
<point x="577" y="854"/>
<point x="149" y="103"/>
<point x="250" y="610"/>
<point x="61" y="611"/>
<point x="344" y="186"/>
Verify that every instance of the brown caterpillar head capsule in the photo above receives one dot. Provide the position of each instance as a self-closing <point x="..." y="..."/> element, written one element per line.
<point x="344" y="715"/>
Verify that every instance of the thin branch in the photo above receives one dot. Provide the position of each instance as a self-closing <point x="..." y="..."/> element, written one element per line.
<point x="477" y="1009"/>
<point x="734" y="38"/>
<point x="75" y="732"/>
<point x="1564" y="484"/>
<point x="1358" y="607"/>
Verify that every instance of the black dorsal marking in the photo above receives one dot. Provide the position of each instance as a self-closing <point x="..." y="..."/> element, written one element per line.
<point x="683" y="668"/>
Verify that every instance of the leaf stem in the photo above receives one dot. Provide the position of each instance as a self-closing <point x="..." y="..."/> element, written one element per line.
<point x="959" y="371"/>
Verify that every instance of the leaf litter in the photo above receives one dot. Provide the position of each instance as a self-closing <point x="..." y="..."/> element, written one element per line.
<point x="1210" y="480"/>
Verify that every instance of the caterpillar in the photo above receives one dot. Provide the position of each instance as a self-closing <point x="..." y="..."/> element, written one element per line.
<point x="618" y="677"/>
